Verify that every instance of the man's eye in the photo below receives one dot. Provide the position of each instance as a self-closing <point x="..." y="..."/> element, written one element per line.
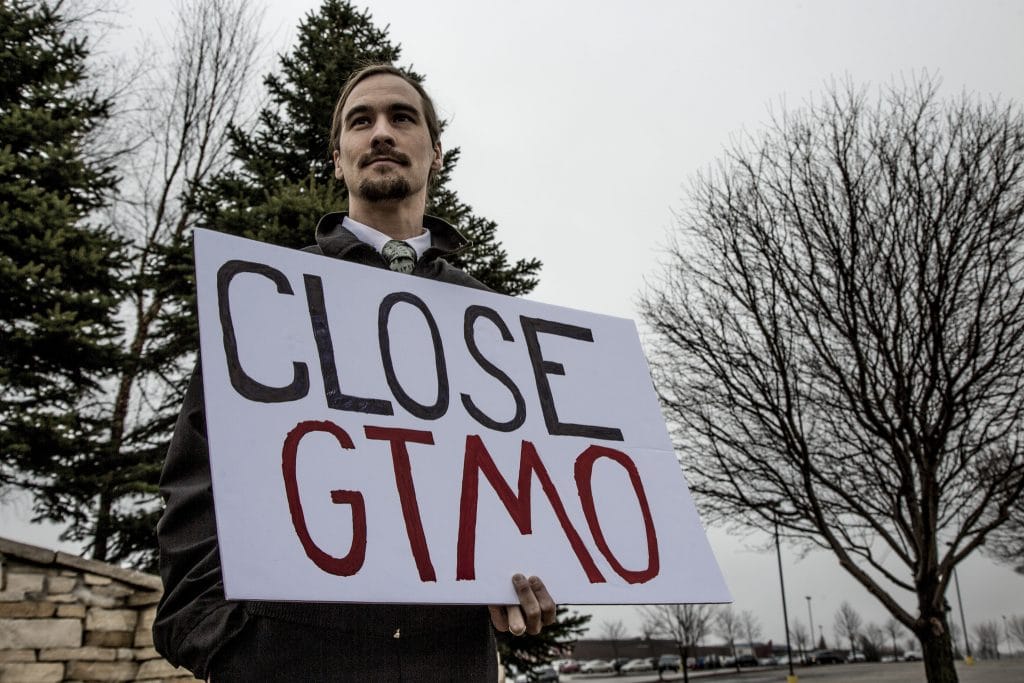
<point x="360" y="121"/>
<point x="403" y="118"/>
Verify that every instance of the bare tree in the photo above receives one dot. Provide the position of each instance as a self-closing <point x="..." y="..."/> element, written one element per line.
<point x="1015" y="627"/>
<point x="647" y="630"/>
<point x="613" y="631"/>
<point x="839" y="333"/>
<point x="751" y="627"/>
<point x="848" y="624"/>
<point x="180" y="128"/>
<point x="894" y="629"/>
<point x="687" y="625"/>
<point x="986" y="636"/>
<point x="872" y="640"/>
<point x="802" y="638"/>
<point x="729" y="627"/>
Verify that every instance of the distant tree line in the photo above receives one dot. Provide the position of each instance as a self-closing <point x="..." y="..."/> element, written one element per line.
<point x="692" y="627"/>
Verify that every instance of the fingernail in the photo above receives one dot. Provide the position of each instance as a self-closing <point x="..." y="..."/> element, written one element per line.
<point x="518" y="578"/>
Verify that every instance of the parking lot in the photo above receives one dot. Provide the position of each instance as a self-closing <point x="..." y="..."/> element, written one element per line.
<point x="1000" y="671"/>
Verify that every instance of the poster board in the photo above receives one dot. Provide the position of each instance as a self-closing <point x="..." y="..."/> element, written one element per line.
<point x="378" y="437"/>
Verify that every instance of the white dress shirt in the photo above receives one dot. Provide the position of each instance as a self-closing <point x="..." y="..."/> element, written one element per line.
<point x="376" y="239"/>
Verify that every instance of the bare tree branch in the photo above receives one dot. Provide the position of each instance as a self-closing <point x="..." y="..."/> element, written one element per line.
<point x="178" y="130"/>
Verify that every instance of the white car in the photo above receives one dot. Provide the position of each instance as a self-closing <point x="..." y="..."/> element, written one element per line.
<point x="597" y="666"/>
<point x="634" y="665"/>
<point x="911" y="656"/>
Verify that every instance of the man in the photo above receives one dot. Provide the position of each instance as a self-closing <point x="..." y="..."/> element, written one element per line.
<point x="385" y="140"/>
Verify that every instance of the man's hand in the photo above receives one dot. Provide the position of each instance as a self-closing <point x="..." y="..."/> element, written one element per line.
<point x="535" y="610"/>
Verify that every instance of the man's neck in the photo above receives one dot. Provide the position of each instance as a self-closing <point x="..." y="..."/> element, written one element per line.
<point x="398" y="220"/>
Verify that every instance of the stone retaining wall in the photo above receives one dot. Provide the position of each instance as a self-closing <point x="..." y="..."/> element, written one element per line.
<point x="66" y="618"/>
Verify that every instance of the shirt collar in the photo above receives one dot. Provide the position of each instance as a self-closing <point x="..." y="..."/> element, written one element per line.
<point x="376" y="239"/>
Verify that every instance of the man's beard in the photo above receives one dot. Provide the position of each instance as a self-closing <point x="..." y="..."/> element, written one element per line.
<point x="387" y="189"/>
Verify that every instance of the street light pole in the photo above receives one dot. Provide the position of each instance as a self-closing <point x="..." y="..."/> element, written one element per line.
<point x="810" y="618"/>
<point x="785" y="614"/>
<point x="963" y="621"/>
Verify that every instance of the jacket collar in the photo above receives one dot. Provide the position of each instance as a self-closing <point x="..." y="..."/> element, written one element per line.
<point x="336" y="241"/>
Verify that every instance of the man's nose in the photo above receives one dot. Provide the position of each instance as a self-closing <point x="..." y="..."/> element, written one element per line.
<point x="383" y="133"/>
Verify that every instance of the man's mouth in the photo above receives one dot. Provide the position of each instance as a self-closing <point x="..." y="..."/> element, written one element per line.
<point x="384" y="159"/>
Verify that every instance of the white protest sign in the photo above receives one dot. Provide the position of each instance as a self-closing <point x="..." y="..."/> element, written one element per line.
<point x="378" y="437"/>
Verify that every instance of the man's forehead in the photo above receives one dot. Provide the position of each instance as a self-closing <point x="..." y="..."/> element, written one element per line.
<point x="383" y="91"/>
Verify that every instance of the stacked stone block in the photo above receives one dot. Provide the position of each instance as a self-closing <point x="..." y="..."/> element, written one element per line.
<point x="66" y="618"/>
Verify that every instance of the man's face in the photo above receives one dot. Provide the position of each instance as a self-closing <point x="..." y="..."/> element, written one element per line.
<point x="385" y="151"/>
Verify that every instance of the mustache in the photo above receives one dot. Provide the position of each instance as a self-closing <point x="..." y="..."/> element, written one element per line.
<point x="381" y="153"/>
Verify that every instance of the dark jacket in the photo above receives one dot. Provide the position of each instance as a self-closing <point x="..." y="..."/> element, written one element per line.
<point x="196" y="627"/>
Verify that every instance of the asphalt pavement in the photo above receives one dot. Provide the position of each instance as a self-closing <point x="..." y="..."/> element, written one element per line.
<point x="998" y="671"/>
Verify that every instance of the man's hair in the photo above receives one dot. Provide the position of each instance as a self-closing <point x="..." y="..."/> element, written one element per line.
<point x="429" y="115"/>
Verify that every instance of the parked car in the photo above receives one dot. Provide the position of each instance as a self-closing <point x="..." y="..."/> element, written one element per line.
<point x="767" y="661"/>
<point x="544" y="674"/>
<point x="711" y="661"/>
<point x="635" y="665"/>
<point x="856" y="657"/>
<point x="746" y="660"/>
<point x="827" y="657"/>
<point x="911" y="656"/>
<point x="669" y="663"/>
<point x="569" y="666"/>
<point x="597" y="666"/>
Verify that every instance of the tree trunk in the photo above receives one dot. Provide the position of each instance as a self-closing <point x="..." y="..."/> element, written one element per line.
<point x="101" y="537"/>
<point x="937" y="649"/>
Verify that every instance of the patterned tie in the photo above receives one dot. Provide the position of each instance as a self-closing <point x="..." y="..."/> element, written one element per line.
<point x="399" y="255"/>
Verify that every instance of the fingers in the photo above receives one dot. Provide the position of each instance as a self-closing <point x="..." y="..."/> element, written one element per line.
<point x="508" y="618"/>
<point x="548" y="608"/>
<point x="536" y="608"/>
<point x="499" y="617"/>
<point x="516" y="622"/>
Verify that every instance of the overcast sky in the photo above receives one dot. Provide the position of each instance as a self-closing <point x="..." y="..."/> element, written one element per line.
<point x="581" y="124"/>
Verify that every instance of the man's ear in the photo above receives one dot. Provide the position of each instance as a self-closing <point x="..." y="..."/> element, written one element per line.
<point x="337" y="166"/>
<point x="438" y="161"/>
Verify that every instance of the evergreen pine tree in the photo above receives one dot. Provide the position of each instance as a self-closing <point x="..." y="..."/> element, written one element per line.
<point x="284" y="181"/>
<point x="527" y="651"/>
<point x="95" y="468"/>
<point x="59" y="268"/>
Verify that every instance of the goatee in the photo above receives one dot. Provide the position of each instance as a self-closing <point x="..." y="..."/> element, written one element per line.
<point x="388" y="189"/>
